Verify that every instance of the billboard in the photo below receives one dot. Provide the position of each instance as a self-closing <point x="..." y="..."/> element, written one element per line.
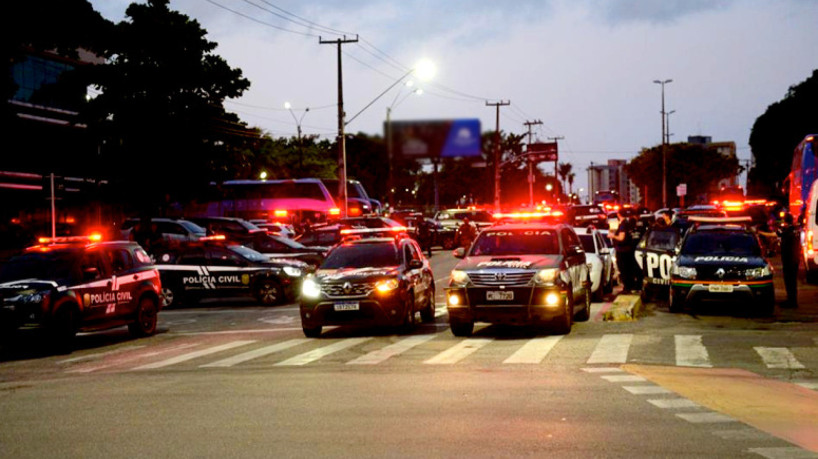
<point x="436" y="139"/>
<point x="543" y="151"/>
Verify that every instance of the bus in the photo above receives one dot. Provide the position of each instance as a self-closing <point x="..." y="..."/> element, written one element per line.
<point x="271" y="200"/>
<point x="802" y="174"/>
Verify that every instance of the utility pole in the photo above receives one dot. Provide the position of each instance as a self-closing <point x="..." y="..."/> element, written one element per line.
<point x="556" y="160"/>
<point x="664" y="145"/>
<point x="342" y="145"/>
<point x="530" y="160"/>
<point x="497" y="106"/>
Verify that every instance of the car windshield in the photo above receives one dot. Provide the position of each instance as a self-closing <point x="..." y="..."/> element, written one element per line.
<point x="587" y="241"/>
<point x="662" y="240"/>
<point x="39" y="265"/>
<point x="721" y="243"/>
<point x="362" y="256"/>
<point x="247" y="253"/>
<point x="515" y="242"/>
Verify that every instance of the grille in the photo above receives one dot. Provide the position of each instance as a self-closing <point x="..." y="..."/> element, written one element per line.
<point x="497" y="278"/>
<point x="338" y="291"/>
<point x="730" y="273"/>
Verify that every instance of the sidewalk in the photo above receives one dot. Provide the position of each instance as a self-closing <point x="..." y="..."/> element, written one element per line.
<point x="807" y="310"/>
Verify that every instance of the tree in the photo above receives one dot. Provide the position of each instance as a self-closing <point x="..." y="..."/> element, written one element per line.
<point x="696" y="165"/>
<point x="160" y="114"/>
<point x="564" y="170"/>
<point x="776" y="133"/>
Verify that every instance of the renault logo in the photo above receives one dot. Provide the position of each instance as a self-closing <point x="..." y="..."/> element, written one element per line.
<point x="720" y="273"/>
<point x="347" y="287"/>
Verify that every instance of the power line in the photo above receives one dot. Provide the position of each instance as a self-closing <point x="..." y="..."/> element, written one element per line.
<point x="212" y="2"/>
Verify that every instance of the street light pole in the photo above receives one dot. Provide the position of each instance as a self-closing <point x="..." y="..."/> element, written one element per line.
<point x="667" y="126"/>
<point x="289" y="108"/>
<point x="664" y="145"/>
<point x="497" y="106"/>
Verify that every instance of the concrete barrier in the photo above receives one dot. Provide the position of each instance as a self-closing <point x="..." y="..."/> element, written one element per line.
<point x="624" y="308"/>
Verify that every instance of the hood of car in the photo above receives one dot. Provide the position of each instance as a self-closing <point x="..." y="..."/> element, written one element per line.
<point x="355" y="274"/>
<point x="25" y="290"/>
<point x="726" y="261"/>
<point x="526" y="262"/>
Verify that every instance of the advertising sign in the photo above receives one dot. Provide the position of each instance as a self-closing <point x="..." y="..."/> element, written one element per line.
<point x="436" y="139"/>
<point x="543" y="151"/>
<point x="681" y="189"/>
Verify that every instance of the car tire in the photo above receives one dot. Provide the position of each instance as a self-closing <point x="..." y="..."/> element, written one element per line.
<point x="269" y="292"/>
<point x="585" y="313"/>
<point x="608" y="286"/>
<point x="463" y="329"/>
<point x="409" y="315"/>
<point x="312" y="332"/>
<point x="64" y="329"/>
<point x="427" y="314"/>
<point x="675" y="302"/>
<point x="170" y="296"/>
<point x="562" y="324"/>
<point x="146" y="318"/>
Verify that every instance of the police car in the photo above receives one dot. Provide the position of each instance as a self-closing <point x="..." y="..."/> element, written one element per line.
<point x="66" y="285"/>
<point x="369" y="281"/>
<point x="654" y="254"/>
<point x="531" y="273"/>
<point x="213" y="268"/>
<point x="721" y="259"/>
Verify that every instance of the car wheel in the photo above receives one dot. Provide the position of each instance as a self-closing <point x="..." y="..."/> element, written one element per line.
<point x="675" y="301"/>
<point x="409" y="316"/>
<point x="269" y="292"/>
<point x="427" y="314"/>
<point x="64" y="329"/>
<point x="812" y="276"/>
<point x="462" y="328"/>
<point x="585" y="313"/>
<point x="608" y="286"/>
<point x="647" y="293"/>
<point x="562" y="324"/>
<point x="146" y="318"/>
<point x="169" y="296"/>
<point x="312" y="332"/>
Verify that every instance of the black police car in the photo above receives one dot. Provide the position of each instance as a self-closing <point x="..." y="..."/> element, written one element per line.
<point x="65" y="285"/>
<point x="654" y="254"/>
<point x="218" y="270"/>
<point x="369" y="281"/>
<point x="520" y="273"/>
<point x="721" y="259"/>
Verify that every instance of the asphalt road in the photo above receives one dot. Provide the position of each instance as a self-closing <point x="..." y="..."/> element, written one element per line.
<point x="234" y="379"/>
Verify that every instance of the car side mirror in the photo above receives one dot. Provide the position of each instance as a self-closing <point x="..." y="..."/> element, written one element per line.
<point x="459" y="252"/>
<point x="604" y="251"/>
<point x="90" y="273"/>
<point x="415" y="264"/>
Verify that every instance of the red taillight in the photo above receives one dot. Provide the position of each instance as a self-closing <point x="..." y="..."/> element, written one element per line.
<point x="335" y="211"/>
<point x="279" y="213"/>
<point x="354" y="211"/>
<point x="215" y="237"/>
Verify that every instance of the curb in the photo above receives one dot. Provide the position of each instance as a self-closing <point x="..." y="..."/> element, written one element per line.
<point x="625" y="308"/>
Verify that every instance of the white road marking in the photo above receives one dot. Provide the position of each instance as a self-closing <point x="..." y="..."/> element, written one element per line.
<point x="440" y="310"/>
<point x="132" y="358"/>
<point x="321" y="352"/>
<point x="808" y="384"/>
<point x="254" y="354"/>
<point x="705" y="418"/>
<point x="603" y="370"/>
<point x="458" y="352"/>
<point x="673" y="403"/>
<point x="747" y="433"/>
<point x="193" y="355"/>
<point x="100" y="354"/>
<point x="690" y="352"/>
<point x="623" y="378"/>
<point x="784" y="452"/>
<point x="534" y="351"/>
<point x="646" y="390"/>
<point x="778" y="357"/>
<point x="611" y="349"/>
<point x="392" y="350"/>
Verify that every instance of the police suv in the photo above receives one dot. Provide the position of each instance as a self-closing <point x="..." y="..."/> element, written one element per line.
<point x="655" y="254"/>
<point x="520" y="273"/>
<point x="216" y="269"/>
<point x="65" y="285"/>
<point x="369" y="281"/>
<point x="721" y="259"/>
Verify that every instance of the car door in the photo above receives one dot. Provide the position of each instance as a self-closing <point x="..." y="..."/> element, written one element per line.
<point x="413" y="264"/>
<point x="96" y="287"/>
<point x="575" y="258"/>
<point x="227" y="270"/>
<point x="125" y="279"/>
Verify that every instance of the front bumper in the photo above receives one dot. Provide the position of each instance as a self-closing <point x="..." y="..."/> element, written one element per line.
<point x="694" y="290"/>
<point x="374" y="309"/>
<point x="526" y="305"/>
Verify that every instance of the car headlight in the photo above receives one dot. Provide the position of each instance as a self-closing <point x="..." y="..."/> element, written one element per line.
<point x="310" y="289"/>
<point x="292" y="272"/>
<point x="386" y="285"/>
<point x="459" y="277"/>
<point x="547" y="276"/>
<point x="758" y="272"/>
<point x="685" y="272"/>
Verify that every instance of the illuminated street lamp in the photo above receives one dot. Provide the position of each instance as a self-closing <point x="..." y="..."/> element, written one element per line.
<point x="664" y="145"/>
<point x="289" y="108"/>
<point x="263" y="175"/>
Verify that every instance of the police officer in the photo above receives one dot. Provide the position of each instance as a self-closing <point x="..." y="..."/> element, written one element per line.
<point x="625" y="253"/>
<point x="790" y="257"/>
<point x="425" y="236"/>
<point x="466" y="233"/>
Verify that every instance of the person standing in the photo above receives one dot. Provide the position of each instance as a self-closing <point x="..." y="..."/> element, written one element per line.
<point x="625" y="253"/>
<point x="790" y="258"/>
<point x="466" y="233"/>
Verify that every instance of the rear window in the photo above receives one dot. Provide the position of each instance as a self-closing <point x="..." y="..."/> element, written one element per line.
<point x="362" y="256"/>
<point x="721" y="243"/>
<point x="516" y="242"/>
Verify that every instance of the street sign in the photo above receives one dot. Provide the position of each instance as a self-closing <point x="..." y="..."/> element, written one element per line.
<point x="543" y="151"/>
<point x="681" y="189"/>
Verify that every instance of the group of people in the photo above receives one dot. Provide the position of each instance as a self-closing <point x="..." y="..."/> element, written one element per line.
<point x="625" y="238"/>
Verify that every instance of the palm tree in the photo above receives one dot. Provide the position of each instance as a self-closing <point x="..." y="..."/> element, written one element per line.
<point x="571" y="182"/>
<point x="564" y="169"/>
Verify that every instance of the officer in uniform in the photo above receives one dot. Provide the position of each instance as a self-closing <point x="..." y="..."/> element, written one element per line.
<point x="625" y="253"/>
<point x="790" y="258"/>
<point x="466" y="233"/>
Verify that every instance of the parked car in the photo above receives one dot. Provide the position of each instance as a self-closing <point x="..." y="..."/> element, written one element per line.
<point x="598" y="255"/>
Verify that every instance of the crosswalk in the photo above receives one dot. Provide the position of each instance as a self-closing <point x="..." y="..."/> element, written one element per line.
<point x="439" y="349"/>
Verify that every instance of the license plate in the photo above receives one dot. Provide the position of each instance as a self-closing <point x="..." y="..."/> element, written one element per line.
<point x="720" y="288"/>
<point x="499" y="296"/>
<point x="347" y="306"/>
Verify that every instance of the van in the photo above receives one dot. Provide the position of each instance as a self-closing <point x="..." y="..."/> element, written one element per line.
<point x="809" y="234"/>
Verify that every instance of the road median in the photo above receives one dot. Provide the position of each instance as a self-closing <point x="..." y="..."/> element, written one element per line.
<point x="623" y="309"/>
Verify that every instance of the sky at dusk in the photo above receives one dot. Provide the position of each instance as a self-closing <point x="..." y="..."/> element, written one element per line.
<point x="585" y="68"/>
